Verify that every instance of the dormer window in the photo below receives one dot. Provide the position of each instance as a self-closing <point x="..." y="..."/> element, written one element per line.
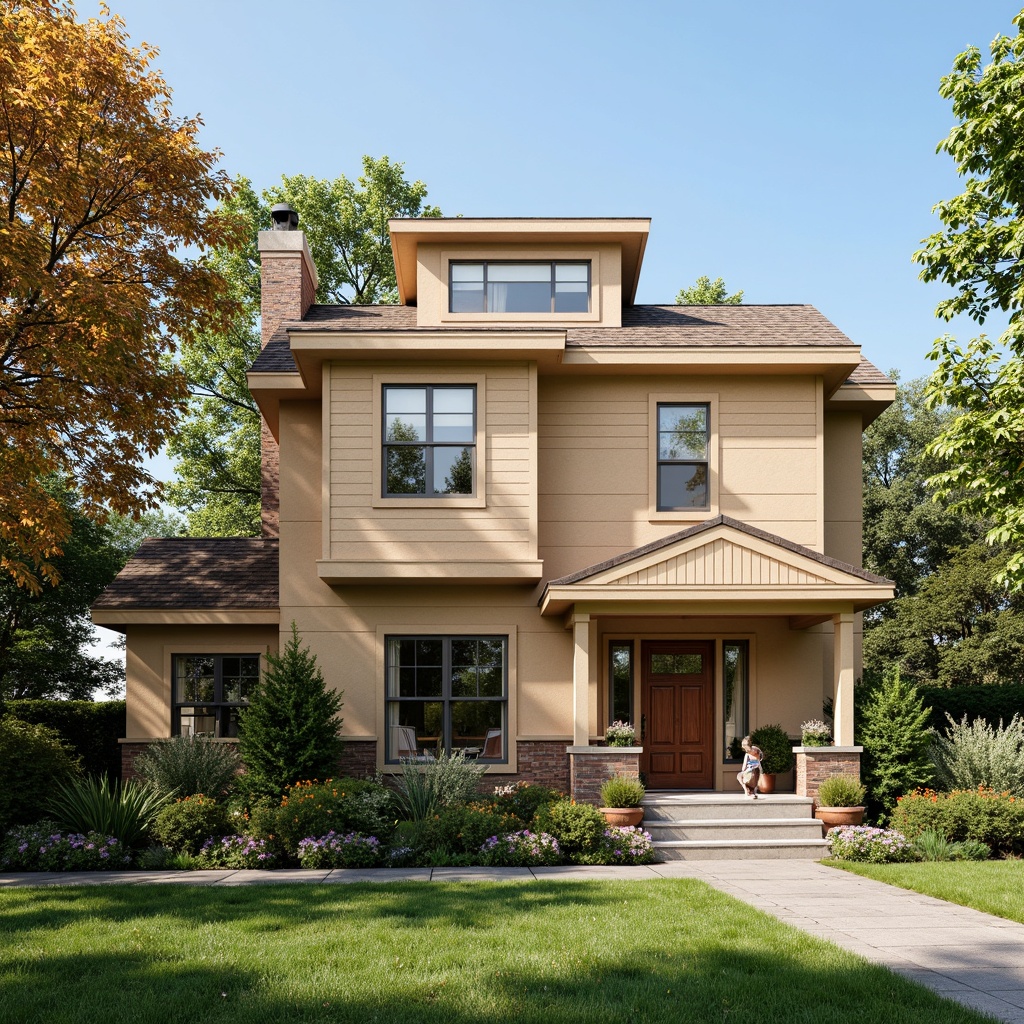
<point x="499" y="286"/>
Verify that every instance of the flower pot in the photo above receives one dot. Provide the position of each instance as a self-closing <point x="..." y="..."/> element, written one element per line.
<point x="766" y="783"/>
<point x="623" y="817"/>
<point x="830" y="817"/>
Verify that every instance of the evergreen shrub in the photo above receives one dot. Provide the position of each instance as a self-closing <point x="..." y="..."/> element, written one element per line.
<point x="91" y="728"/>
<point x="579" y="828"/>
<point x="993" y="702"/>
<point x="187" y="823"/>
<point x="33" y="759"/>
<point x="776" y="749"/>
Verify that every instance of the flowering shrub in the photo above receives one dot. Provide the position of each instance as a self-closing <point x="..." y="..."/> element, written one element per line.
<point x="524" y="799"/>
<point x="350" y="850"/>
<point x="462" y="830"/>
<point x="877" y="845"/>
<point x="620" y="734"/>
<point x="985" y="815"/>
<point x="236" y="852"/>
<point x="38" y="848"/>
<point x="815" y="733"/>
<point x="521" y="849"/>
<point x="619" y="846"/>
<point x="184" y="825"/>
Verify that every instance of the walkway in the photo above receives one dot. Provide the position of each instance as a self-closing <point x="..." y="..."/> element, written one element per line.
<point x="973" y="958"/>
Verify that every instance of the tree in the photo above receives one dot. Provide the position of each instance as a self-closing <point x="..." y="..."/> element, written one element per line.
<point x="104" y="203"/>
<point x="706" y="292"/>
<point x="217" y="447"/>
<point x="978" y="254"/>
<point x="290" y="730"/>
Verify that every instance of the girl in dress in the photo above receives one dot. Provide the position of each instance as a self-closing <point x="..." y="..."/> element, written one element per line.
<point x="750" y="773"/>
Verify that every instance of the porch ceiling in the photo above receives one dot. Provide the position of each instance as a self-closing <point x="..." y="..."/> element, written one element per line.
<point x="720" y="567"/>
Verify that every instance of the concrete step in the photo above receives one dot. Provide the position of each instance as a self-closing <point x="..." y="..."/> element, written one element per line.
<point x="734" y="829"/>
<point x="749" y="849"/>
<point x="712" y="806"/>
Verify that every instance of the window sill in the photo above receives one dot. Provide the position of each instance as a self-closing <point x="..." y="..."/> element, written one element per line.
<point x="696" y="515"/>
<point x="463" y="501"/>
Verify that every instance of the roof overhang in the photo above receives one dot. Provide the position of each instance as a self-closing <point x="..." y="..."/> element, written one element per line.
<point x="721" y="567"/>
<point x="628" y="232"/>
<point x="870" y="400"/>
<point x="119" y="619"/>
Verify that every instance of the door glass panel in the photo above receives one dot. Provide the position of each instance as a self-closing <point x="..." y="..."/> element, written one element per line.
<point x="677" y="664"/>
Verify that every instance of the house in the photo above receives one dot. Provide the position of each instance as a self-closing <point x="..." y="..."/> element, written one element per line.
<point x="517" y="506"/>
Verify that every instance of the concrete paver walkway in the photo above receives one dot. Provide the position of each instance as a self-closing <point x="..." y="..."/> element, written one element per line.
<point x="962" y="954"/>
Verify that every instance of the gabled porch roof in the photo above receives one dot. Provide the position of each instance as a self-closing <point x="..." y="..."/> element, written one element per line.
<point x="724" y="567"/>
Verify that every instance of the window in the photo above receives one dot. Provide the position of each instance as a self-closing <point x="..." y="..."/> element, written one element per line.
<point x="429" y="440"/>
<point x="735" y="679"/>
<point x="208" y="691"/>
<point x="683" y="442"/>
<point x="620" y="683"/>
<point x="536" y="287"/>
<point x="446" y="693"/>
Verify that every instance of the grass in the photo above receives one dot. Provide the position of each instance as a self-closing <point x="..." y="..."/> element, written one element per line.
<point x="534" y="953"/>
<point x="993" y="886"/>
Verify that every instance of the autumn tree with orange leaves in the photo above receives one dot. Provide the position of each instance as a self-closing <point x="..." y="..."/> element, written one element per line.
<point x="106" y="198"/>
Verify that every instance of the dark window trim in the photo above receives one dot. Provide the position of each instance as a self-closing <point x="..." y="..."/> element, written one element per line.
<point x="428" y="445"/>
<point x="705" y="462"/>
<point x="445" y="698"/>
<point x="218" y="705"/>
<point x="537" y="263"/>
<point x="611" y="678"/>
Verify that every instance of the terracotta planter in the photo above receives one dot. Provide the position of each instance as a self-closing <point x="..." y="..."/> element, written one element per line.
<point x="766" y="783"/>
<point x="623" y="817"/>
<point x="830" y="817"/>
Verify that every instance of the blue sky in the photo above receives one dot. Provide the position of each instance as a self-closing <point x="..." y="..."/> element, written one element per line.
<point x="788" y="147"/>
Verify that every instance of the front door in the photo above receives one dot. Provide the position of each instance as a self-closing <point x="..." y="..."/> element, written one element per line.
<point x="677" y="702"/>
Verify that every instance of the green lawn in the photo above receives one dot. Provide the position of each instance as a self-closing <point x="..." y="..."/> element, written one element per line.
<point x="545" y="952"/>
<point x="994" y="886"/>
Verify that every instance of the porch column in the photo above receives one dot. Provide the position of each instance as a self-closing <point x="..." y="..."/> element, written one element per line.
<point x="842" y="655"/>
<point x="581" y="680"/>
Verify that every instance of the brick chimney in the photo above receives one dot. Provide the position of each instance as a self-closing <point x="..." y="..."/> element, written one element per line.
<point x="288" y="282"/>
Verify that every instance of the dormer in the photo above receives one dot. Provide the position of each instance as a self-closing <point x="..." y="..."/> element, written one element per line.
<point x="518" y="271"/>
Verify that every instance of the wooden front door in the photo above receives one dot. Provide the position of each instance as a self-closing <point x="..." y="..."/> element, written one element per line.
<point x="677" y="701"/>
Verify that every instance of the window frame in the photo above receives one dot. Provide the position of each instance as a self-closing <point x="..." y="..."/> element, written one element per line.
<point x="683" y="515"/>
<point x="631" y="683"/>
<point x="445" y="698"/>
<point x="221" y="708"/>
<point x="742" y="717"/>
<point x="551" y="263"/>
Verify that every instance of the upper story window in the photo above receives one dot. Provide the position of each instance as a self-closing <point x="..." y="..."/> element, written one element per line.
<point x="492" y="286"/>
<point x="429" y="440"/>
<point x="683" y="443"/>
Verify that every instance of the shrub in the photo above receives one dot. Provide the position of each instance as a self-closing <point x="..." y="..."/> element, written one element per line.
<point x="620" y="734"/>
<point x="877" y="845"/>
<point x="41" y="848"/>
<point x="189" y="765"/>
<point x="93" y="805"/>
<point x="578" y="828"/>
<point x="776" y="749"/>
<point x="449" y="780"/>
<point x="32" y="759"/>
<point x="622" y="791"/>
<point x="236" y="852"/>
<point x="841" y="791"/>
<point x="349" y="850"/>
<point x="980" y="754"/>
<point x="892" y="732"/>
<point x="186" y="824"/>
<point x="521" y="849"/>
<point x="619" y="846"/>
<point x="995" y="702"/>
<point x="983" y="815"/>
<point x="90" y="728"/>
<point x="815" y="733"/>
<point x="463" y="829"/>
<point x="290" y="730"/>
<point x="524" y="799"/>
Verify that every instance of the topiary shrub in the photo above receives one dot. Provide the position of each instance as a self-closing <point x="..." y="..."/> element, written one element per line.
<point x="841" y="791"/>
<point x="980" y="754"/>
<point x="33" y="759"/>
<point x="622" y="791"/>
<point x="776" y="749"/>
<point x="190" y="765"/>
<point x="187" y="823"/>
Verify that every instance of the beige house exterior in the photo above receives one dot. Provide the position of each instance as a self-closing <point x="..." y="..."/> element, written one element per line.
<point x="516" y="507"/>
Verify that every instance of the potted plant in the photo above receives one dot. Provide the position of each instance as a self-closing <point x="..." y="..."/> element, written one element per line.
<point x="620" y="734"/>
<point x="776" y="754"/>
<point x="840" y="802"/>
<point x="815" y="733"/>
<point x="622" y="797"/>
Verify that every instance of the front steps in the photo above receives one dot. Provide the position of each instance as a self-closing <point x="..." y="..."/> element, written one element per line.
<point x="730" y="826"/>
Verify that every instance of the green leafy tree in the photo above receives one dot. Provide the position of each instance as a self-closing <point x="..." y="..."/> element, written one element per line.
<point x="706" y="292"/>
<point x="892" y="728"/>
<point x="217" y="447"/>
<point x="290" y="730"/>
<point x="978" y="254"/>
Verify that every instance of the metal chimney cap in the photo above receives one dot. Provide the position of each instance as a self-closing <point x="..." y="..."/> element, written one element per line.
<point x="286" y="218"/>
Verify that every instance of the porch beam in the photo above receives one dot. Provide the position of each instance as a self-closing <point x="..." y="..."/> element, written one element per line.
<point x="842" y="660"/>
<point x="581" y="680"/>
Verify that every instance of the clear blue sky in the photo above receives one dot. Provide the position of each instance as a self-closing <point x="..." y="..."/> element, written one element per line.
<point x="788" y="147"/>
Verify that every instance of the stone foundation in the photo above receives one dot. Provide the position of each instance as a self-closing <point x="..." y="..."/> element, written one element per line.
<point x="129" y="752"/>
<point x="358" y="759"/>
<point x="590" y="767"/>
<point x="815" y="764"/>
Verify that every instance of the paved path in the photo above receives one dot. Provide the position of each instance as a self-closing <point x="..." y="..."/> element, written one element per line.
<point x="962" y="954"/>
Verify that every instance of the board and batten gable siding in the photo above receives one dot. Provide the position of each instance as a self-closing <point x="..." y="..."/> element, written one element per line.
<point x="594" y="461"/>
<point x="501" y="527"/>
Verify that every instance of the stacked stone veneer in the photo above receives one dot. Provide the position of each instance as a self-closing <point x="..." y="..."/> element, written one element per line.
<point x="591" y="767"/>
<point x="815" y="764"/>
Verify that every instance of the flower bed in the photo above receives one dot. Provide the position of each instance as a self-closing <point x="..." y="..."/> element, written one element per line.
<point x="36" y="848"/>
<point x="875" y="845"/>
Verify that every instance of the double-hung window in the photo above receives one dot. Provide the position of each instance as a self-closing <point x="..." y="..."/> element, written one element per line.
<point x="446" y="693"/>
<point x="209" y="691"/>
<point x="499" y="286"/>
<point x="683" y="449"/>
<point x="429" y="436"/>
